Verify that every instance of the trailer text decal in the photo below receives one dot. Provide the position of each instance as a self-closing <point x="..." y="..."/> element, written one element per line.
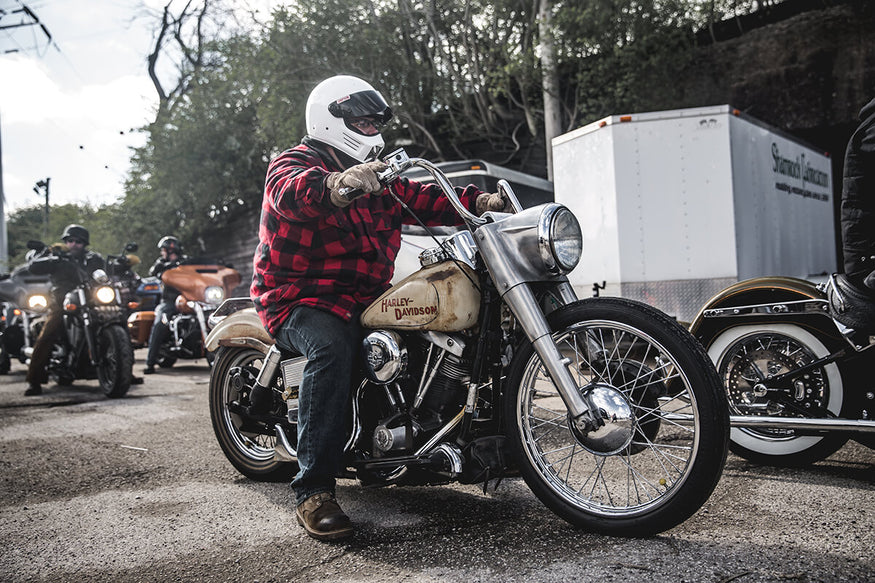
<point x="800" y="169"/>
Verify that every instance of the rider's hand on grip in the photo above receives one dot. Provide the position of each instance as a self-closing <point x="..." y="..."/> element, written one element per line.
<point x="492" y="201"/>
<point x="344" y="187"/>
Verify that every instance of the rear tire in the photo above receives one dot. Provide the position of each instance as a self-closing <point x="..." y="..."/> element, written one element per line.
<point x="739" y="352"/>
<point x="250" y="452"/>
<point x="5" y="363"/>
<point x="679" y="430"/>
<point x="165" y="361"/>
<point x="115" y="369"/>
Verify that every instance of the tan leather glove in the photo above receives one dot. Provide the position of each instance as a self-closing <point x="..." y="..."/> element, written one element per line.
<point x="362" y="177"/>
<point x="492" y="201"/>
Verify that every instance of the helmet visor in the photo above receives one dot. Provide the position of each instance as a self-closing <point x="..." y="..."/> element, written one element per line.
<point x="368" y="104"/>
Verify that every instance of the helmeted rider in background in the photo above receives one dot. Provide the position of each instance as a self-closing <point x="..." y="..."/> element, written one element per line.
<point x="322" y="258"/>
<point x="852" y="294"/>
<point x="75" y="240"/>
<point x="171" y="256"/>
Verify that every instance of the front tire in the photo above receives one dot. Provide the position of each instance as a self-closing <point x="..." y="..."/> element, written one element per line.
<point x="246" y="444"/>
<point x="115" y="369"/>
<point x="5" y="361"/>
<point x="743" y="353"/>
<point x="680" y="424"/>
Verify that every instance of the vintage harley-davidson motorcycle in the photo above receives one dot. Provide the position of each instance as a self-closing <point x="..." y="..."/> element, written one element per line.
<point x="203" y="283"/>
<point x="799" y="383"/>
<point x="484" y="364"/>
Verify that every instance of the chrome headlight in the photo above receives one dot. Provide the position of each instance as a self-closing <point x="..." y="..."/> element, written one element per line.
<point x="38" y="303"/>
<point x="214" y="295"/>
<point x="104" y="294"/>
<point x="560" y="240"/>
<point x="99" y="276"/>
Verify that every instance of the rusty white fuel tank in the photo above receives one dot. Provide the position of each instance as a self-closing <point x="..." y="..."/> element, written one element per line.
<point x="439" y="297"/>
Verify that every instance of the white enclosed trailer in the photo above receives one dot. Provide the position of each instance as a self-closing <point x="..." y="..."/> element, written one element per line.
<point x="676" y="205"/>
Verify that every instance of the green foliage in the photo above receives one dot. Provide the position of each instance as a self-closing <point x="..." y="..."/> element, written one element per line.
<point x="464" y="79"/>
<point x="28" y="223"/>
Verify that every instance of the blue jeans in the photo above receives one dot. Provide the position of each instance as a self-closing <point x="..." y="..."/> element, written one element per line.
<point x="332" y="347"/>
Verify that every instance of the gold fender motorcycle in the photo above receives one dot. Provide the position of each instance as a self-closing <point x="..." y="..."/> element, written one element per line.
<point x="484" y="364"/>
<point x="799" y="383"/>
<point x="203" y="284"/>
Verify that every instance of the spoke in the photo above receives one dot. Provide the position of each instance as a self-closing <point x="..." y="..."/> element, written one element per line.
<point x="553" y="428"/>
<point x="663" y="455"/>
<point x="636" y="474"/>
<point x="570" y="461"/>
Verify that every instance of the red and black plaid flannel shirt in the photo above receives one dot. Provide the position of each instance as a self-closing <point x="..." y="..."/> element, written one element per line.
<point x="315" y="254"/>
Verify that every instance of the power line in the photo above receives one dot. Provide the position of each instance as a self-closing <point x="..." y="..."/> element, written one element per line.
<point x="25" y="17"/>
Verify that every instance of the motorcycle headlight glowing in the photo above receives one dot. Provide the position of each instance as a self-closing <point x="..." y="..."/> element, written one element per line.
<point x="105" y="294"/>
<point x="38" y="303"/>
<point x="214" y="295"/>
<point x="560" y="240"/>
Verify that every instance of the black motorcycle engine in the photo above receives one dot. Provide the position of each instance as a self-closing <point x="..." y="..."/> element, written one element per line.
<point x="446" y="395"/>
<point x="424" y="390"/>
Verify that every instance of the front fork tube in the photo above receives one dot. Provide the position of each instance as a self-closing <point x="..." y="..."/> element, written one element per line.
<point x="202" y="322"/>
<point x="87" y="330"/>
<point x="525" y="307"/>
<point x="566" y="292"/>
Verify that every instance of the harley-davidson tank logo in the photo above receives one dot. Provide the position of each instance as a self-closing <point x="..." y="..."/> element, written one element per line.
<point x="403" y="307"/>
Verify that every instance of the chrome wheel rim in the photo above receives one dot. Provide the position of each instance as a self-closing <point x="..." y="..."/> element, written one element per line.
<point x="651" y="469"/>
<point x="256" y="446"/>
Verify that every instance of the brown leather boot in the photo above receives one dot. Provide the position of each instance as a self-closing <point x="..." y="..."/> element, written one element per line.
<point x="322" y="518"/>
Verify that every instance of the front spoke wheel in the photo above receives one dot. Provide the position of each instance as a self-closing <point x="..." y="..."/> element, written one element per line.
<point x="655" y="391"/>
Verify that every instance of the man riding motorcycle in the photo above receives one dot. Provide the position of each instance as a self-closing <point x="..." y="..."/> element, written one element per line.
<point x="171" y="256"/>
<point x="324" y="254"/>
<point x="76" y="239"/>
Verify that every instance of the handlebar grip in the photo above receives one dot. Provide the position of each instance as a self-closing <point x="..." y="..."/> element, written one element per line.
<point x="385" y="177"/>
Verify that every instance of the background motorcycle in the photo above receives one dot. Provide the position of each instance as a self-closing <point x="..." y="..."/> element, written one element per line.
<point x="120" y="269"/>
<point x="23" y="302"/>
<point x="95" y="343"/>
<point x="482" y="365"/>
<point x="799" y="383"/>
<point x="203" y="283"/>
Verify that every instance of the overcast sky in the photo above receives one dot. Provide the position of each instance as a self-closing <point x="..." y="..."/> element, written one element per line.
<point x="69" y="109"/>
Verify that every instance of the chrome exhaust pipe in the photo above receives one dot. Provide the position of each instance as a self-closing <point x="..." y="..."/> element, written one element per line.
<point x="832" y="424"/>
<point x="283" y="450"/>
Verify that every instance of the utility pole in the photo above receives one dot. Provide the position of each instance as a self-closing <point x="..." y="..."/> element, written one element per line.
<point x="43" y="186"/>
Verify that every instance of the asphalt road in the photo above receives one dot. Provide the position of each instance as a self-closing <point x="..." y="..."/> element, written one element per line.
<point x="137" y="489"/>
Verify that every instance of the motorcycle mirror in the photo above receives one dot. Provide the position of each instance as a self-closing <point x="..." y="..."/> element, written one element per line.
<point x="131" y="247"/>
<point x="36" y="245"/>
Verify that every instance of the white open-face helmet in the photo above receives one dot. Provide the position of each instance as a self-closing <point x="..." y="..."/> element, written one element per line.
<point x="348" y="113"/>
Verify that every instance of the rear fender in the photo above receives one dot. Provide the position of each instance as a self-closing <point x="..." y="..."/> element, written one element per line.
<point x="242" y="328"/>
<point x="771" y="291"/>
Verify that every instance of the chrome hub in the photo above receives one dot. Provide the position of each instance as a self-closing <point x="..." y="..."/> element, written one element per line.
<point x="615" y="417"/>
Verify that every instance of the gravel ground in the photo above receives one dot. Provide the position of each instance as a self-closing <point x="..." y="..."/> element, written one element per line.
<point x="137" y="489"/>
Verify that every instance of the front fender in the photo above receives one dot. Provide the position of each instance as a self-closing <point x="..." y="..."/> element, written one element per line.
<point x="763" y="290"/>
<point x="242" y="328"/>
